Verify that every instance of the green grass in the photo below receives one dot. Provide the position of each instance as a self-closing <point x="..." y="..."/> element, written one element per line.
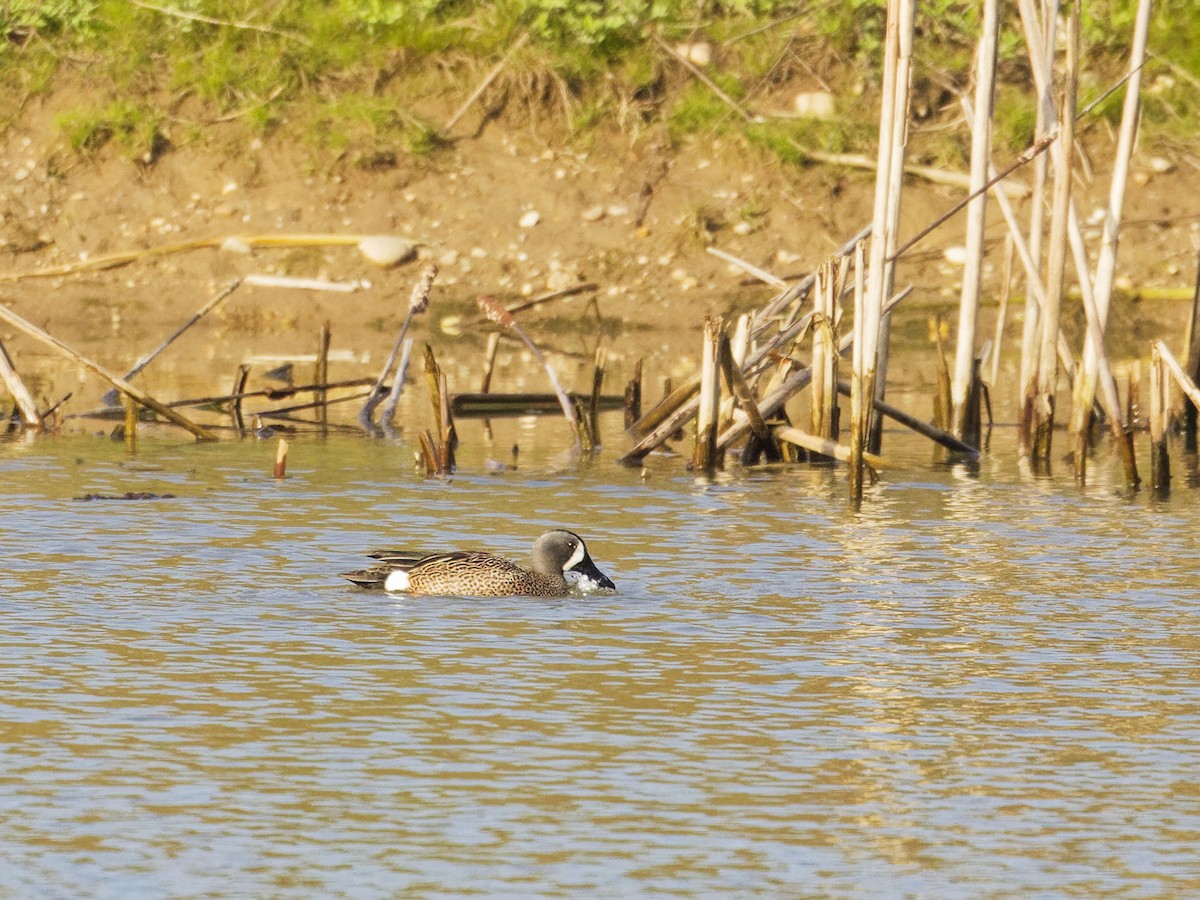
<point x="364" y="78"/>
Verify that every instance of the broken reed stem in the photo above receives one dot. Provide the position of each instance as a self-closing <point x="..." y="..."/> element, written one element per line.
<point x="963" y="387"/>
<point x="633" y="396"/>
<point x="1160" y="462"/>
<point x="281" y="455"/>
<point x="321" y="376"/>
<point x="235" y="408"/>
<point x="120" y="384"/>
<point x="387" y="417"/>
<point x="418" y="302"/>
<point x="489" y="362"/>
<point x="495" y="312"/>
<point x="18" y="391"/>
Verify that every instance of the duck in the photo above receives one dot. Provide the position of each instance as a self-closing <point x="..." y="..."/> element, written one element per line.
<point x="476" y="573"/>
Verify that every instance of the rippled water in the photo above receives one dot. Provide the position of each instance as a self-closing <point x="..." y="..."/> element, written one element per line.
<point x="980" y="685"/>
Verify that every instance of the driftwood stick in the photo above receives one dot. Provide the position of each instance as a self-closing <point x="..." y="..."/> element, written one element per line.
<point x="749" y="268"/>
<point x="823" y="446"/>
<point x="95" y="368"/>
<point x="924" y="429"/>
<point x="20" y="393"/>
<point x="1193" y="363"/>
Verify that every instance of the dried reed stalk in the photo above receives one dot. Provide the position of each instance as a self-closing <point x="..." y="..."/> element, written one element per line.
<point x="119" y="383"/>
<point x="1042" y="404"/>
<point x="885" y="220"/>
<point x="1039" y="41"/>
<point x="1002" y="311"/>
<point x="860" y="387"/>
<point x="1089" y="374"/>
<point x="963" y="386"/>
<point x="1193" y="363"/>
<point x="502" y="317"/>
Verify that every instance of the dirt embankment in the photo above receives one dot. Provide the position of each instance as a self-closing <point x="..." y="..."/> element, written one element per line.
<point x="507" y="212"/>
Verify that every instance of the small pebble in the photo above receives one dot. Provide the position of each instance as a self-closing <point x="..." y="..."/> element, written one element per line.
<point x="529" y="219"/>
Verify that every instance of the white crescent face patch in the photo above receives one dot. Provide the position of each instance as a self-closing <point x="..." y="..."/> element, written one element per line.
<point x="576" y="557"/>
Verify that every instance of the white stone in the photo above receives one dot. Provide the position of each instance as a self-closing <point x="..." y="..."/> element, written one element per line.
<point x="956" y="255"/>
<point x="814" y="104"/>
<point x="529" y="219"/>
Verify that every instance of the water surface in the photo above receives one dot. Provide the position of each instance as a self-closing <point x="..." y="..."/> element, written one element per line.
<point x="980" y="685"/>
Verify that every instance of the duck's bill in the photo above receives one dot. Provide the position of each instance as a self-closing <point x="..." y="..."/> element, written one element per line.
<point x="589" y="578"/>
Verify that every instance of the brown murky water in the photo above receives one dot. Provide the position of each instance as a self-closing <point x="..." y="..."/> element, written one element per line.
<point x="979" y="686"/>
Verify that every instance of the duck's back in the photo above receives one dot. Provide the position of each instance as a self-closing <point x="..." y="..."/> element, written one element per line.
<point x="474" y="574"/>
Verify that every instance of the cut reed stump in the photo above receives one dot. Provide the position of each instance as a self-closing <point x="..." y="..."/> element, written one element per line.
<point x="1160" y="406"/>
<point x="321" y="376"/>
<point x="704" y="453"/>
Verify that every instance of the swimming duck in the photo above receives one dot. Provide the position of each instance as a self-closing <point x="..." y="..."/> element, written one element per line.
<point x="474" y="573"/>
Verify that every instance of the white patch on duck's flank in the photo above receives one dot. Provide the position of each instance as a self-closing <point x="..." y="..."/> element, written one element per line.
<point x="396" y="582"/>
<point x="576" y="557"/>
